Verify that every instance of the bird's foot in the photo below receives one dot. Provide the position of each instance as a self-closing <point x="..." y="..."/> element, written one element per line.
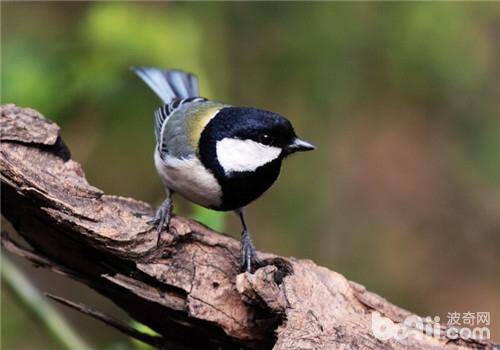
<point x="162" y="217"/>
<point x="248" y="253"/>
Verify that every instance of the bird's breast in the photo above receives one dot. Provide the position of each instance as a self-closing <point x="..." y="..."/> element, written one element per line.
<point x="189" y="178"/>
<point x="240" y="188"/>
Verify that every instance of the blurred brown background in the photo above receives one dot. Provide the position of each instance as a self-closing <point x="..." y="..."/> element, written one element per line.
<point x="403" y="193"/>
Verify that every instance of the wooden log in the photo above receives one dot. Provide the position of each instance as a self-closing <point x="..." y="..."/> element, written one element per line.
<point x="189" y="289"/>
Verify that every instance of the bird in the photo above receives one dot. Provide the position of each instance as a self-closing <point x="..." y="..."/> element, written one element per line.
<point x="214" y="154"/>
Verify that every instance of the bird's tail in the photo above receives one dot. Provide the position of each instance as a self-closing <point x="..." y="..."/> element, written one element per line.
<point x="169" y="84"/>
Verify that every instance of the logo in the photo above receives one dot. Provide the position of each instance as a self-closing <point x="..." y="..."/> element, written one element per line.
<point x="468" y="325"/>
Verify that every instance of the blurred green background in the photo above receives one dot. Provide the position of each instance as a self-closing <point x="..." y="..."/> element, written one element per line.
<point x="403" y="193"/>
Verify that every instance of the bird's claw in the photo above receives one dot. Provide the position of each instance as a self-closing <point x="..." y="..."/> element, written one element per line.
<point x="248" y="253"/>
<point x="162" y="217"/>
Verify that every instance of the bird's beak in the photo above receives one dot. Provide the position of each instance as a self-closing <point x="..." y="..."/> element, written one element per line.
<point x="299" y="145"/>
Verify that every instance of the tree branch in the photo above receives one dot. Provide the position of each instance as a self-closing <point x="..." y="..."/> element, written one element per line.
<point x="155" y="341"/>
<point x="188" y="289"/>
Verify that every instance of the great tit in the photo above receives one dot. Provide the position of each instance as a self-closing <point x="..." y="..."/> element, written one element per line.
<point x="216" y="155"/>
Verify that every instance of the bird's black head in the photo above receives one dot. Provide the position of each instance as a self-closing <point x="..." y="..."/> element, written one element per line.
<point x="263" y="127"/>
<point x="244" y="148"/>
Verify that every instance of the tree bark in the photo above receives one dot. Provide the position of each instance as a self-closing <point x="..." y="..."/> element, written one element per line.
<point x="189" y="289"/>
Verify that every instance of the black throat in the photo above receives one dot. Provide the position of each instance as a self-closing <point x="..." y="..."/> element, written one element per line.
<point x="241" y="188"/>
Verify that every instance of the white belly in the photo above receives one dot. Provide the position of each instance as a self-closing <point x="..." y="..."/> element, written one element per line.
<point x="189" y="178"/>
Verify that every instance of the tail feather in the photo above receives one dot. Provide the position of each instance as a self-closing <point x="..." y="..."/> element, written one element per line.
<point x="169" y="84"/>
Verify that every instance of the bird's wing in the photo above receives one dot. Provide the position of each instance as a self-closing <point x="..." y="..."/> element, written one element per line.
<point x="162" y="115"/>
<point x="181" y="128"/>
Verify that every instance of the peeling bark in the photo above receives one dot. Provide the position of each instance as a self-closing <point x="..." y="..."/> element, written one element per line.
<point x="189" y="288"/>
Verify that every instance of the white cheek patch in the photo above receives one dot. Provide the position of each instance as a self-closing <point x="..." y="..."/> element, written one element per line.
<point x="244" y="155"/>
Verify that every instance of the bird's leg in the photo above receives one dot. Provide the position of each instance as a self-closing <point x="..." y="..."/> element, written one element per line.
<point x="163" y="214"/>
<point x="248" y="251"/>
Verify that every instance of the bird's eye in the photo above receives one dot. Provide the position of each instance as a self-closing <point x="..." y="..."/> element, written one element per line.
<point x="265" y="139"/>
